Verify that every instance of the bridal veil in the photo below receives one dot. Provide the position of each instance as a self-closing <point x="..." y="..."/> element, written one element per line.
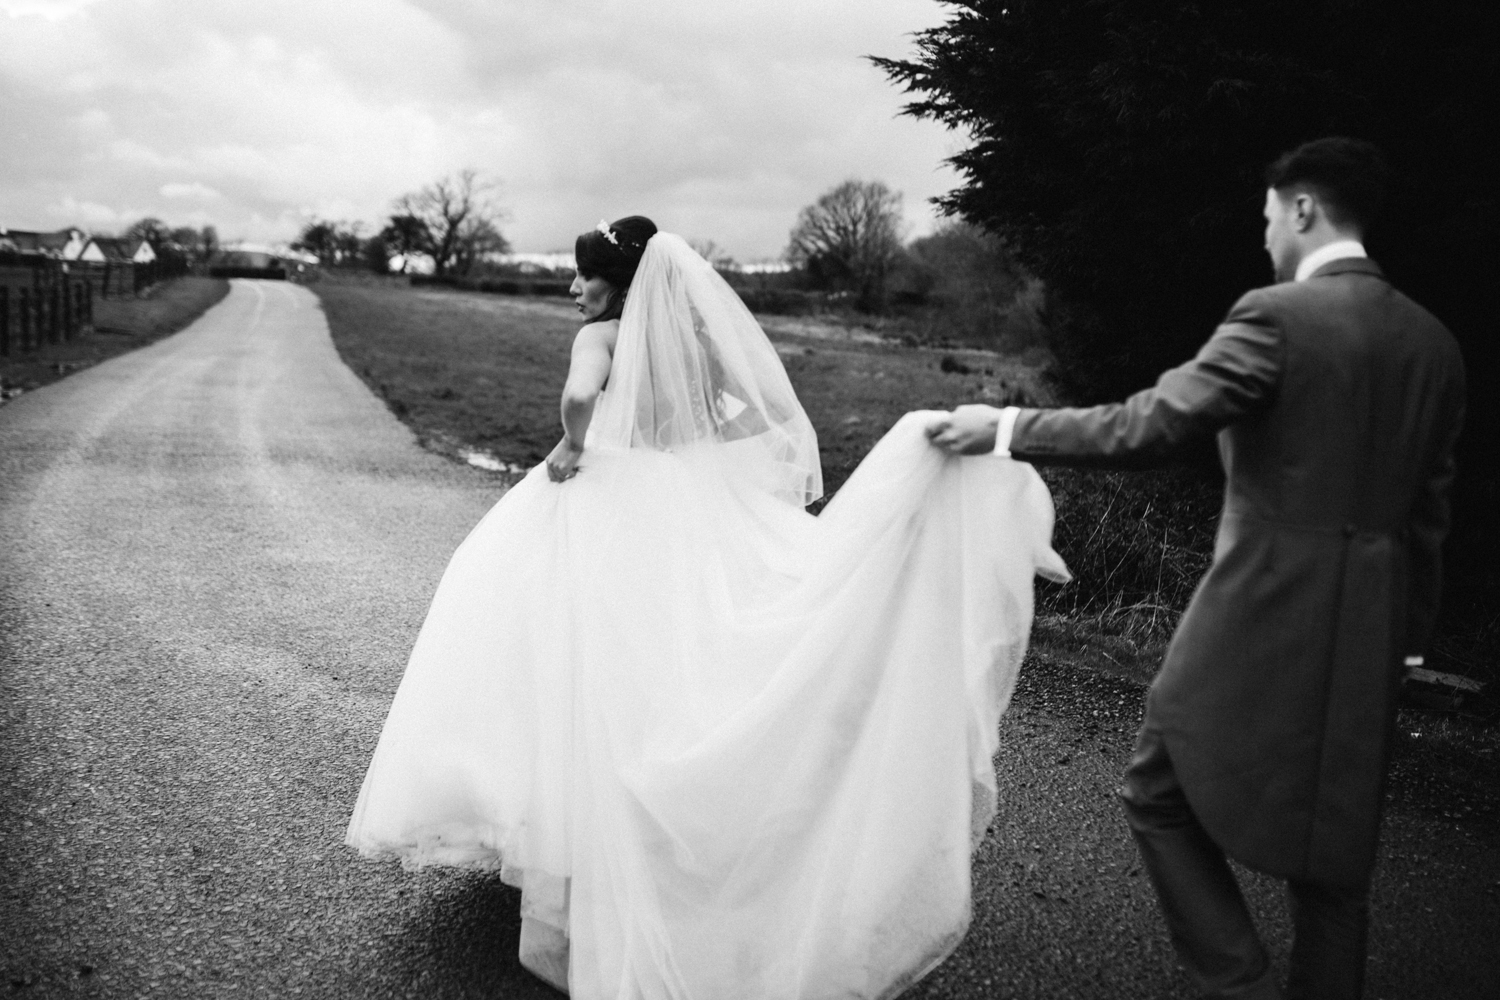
<point x="692" y="366"/>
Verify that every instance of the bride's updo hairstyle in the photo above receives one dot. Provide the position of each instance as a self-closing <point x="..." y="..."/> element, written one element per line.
<point x="613" y="252"/>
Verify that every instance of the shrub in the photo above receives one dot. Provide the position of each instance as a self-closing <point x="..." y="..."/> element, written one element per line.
<point x="963" y="286"/>
<point x="785" y="301"/>
<point x="377" y="255"/>
<point x="1137" y="542"/>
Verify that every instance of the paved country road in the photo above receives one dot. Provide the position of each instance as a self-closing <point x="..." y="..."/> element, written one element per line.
<point x="214" y="555"/>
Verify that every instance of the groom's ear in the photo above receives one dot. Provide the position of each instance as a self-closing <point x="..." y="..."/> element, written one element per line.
<point x="1305" y="209"/>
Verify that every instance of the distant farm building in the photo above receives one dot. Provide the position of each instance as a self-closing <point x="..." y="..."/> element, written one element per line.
<point x="538" y="263"/>
<point x="411" y="263"/>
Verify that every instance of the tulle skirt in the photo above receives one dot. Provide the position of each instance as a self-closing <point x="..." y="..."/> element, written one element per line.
<point x="727" y="749"/>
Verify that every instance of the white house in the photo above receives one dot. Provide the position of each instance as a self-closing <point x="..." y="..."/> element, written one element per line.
<point x="110" y="249"/>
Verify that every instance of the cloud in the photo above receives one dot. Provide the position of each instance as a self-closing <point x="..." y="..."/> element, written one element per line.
<point x="51" y="10"/>
<point x="92" y="215"/>
<point x="129" y="153"/>
<point x="192" y="190"/>
<point x="719" y="120"/>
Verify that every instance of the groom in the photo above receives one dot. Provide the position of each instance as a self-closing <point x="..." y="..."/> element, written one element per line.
<point x="1336" y="401"/>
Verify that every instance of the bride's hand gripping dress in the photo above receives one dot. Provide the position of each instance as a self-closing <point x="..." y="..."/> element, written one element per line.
<point x="727" y="749"/>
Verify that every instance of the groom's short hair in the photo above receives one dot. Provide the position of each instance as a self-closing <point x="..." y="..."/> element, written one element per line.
<point x="1349" y="176"/>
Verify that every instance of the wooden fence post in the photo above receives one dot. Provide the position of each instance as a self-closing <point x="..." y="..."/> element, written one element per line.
<point x="23" y="319"/>
<point x="54" y="315"/>
<point x="88" y="300"/>
<point x="4" y="321"/>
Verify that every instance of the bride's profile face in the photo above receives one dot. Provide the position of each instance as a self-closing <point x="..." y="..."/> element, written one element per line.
<point x="591" y="294"/>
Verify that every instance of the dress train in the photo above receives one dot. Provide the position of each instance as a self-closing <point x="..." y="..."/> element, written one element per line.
<point x="726" y="749"/>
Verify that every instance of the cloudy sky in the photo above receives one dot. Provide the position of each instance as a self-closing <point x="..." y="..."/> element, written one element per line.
<point x="719" y="119"/>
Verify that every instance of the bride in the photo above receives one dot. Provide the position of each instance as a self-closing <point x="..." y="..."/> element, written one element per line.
<point x="725" y="748"/>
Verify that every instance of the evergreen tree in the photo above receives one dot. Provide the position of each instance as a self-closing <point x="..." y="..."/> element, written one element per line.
<point x="1117" y="148"/>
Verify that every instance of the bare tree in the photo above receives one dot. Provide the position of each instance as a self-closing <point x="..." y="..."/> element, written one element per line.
<point x="849" y="238"/>
<point x="152" y="230"/>
<point x="376" y="254"/>
<point x="449" y="209"/>
<point x="195" y="245"/>
<point x="405" y="235"/>
<point x="348" y="241"/>
<point x="477" y="239"/>
<point x="714" y="254"/>
<point x="332" y="242"/>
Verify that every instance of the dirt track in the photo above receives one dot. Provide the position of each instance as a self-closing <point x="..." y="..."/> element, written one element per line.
<point x="216" y="554"/>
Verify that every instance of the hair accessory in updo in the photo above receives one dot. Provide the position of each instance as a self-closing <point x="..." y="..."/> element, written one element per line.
<point x="612" y="250"/>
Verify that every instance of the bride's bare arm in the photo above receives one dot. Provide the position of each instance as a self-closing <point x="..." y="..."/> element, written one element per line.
<point x="587" y="372"/>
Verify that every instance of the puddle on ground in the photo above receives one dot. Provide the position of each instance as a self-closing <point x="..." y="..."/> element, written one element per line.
<point x="484" y="460"/>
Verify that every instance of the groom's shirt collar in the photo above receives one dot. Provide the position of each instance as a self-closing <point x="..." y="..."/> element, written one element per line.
<point x="1327" y="253"/>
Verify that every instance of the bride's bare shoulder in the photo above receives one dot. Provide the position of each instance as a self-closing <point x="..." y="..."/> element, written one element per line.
<point x="602" y="334"/>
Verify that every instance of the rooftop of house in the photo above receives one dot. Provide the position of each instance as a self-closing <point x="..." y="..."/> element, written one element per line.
<point x="116" y="247"/>
<point x="28" y="241"/>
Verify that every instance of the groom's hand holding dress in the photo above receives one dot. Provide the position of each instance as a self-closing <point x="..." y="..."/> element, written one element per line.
<point x="971" y="429"/>
<point x="1336" y="401"/>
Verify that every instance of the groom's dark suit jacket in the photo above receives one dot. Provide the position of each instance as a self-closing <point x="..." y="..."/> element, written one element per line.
<point x="1337" y="401"/>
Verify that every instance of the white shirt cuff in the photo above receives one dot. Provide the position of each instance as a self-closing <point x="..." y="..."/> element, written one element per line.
<point x="1005" y="429"/>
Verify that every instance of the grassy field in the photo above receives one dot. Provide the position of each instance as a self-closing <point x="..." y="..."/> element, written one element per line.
<point x="468" y="370"/>
<point x="120" y="325"/>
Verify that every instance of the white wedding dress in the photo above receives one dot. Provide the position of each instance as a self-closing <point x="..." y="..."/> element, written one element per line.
<point x="726" y="748"/>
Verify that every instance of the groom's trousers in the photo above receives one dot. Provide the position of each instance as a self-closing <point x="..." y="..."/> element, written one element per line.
<point x="1206" y="914"/>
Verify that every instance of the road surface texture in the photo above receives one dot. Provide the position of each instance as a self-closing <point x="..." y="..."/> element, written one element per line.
<point x="217" y="552"/>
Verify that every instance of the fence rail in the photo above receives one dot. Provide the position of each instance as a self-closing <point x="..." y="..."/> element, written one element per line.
<point x="44" y="300"/>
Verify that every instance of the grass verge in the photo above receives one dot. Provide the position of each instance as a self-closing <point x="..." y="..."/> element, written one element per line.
<point x="120" y="325"/>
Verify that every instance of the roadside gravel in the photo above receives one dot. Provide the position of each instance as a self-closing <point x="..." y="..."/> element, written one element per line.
<point x="216" y="553"/>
